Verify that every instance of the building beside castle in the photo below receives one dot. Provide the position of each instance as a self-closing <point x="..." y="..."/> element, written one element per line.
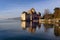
<point x="57" y="14"/>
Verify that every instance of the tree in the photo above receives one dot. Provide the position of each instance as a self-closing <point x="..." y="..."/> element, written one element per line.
<point x="47" y="14"/>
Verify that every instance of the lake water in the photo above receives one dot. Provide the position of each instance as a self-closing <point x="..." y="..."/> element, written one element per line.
<point x="17" y="30"/>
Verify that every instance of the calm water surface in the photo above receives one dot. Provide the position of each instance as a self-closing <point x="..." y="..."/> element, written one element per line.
<point x="12" y="30"/>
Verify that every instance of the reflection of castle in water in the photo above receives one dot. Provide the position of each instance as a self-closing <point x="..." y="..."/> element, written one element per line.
<point x="30" y="26"/>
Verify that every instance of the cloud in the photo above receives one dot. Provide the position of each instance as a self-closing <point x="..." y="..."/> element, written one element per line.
<point x="14" y="12"/>
<point x="50" y="4"/>
<point x="15" y="9"/>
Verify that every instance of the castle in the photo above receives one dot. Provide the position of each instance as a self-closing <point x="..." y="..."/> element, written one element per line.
<point x="33" y="15"/>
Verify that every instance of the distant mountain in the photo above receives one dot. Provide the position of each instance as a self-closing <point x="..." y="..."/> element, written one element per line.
<point x="17" y="18"/>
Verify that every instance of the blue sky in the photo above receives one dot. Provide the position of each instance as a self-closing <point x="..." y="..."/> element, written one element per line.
<point x="13" y="8"/>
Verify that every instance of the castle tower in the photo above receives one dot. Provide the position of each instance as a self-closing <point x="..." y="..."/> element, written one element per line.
<point x="23" y="16"/>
